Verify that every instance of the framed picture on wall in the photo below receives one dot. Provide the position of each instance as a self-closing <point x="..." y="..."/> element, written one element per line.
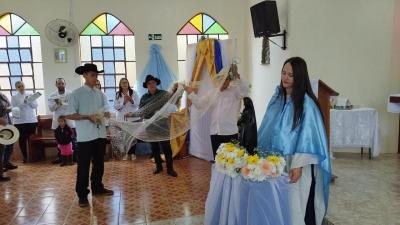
<point x="60" y="55"/>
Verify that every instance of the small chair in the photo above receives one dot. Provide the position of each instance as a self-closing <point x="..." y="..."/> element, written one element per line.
<point x="43" y="138"/>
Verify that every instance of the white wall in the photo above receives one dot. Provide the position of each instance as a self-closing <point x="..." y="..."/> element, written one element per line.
<point x="349" y="45"/>
<point x="265" y="78"/>
<point x="142" y="16"/>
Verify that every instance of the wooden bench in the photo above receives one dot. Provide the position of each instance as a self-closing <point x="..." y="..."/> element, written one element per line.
<point x="42" y="139"/>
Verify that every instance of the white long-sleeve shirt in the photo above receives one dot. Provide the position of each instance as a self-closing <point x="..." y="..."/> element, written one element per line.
<point x="59" y="110"/>
<point x="224" y="111"/>
<point x="27" y="110"/>
<point x="122" y="109"/>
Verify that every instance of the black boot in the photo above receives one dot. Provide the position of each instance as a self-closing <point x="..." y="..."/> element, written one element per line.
<point x="57" y="160"/>
<point x="64" y="160"/>
<point x="70" y="160"/>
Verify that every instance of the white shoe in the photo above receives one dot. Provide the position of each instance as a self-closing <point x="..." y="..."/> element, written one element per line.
<point x="133" y="157"/>
<point x="126" y="157"/>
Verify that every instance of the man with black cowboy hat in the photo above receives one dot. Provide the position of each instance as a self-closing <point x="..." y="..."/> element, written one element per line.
<point x="88" y="106"/>
<point x="151" y="96"/>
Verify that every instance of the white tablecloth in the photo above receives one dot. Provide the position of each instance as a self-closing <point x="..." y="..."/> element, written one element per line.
<point x="355" y="128"/>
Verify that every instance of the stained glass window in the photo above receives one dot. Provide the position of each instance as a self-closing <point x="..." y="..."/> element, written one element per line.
<point x="20" y="57"/>
<point x="200" y="25"/>
<point x="110" y="44"/>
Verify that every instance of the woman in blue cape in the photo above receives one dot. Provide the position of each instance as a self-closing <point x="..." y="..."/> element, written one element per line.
<point x="293" y="125"/>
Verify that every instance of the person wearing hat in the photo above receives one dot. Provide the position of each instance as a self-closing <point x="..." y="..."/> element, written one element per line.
<point x="88" y="106"/>
<point x="151" y="96"/>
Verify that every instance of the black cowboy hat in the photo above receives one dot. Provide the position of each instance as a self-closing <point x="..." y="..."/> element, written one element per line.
<point x="149" y="78"/>
<point x="86" y="68"/>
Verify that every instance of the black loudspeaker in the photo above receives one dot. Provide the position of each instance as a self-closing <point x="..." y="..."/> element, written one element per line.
<point x="265" y="18"/>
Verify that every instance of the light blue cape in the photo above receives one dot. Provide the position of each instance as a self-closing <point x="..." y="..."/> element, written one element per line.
<point x="276" y="133"/>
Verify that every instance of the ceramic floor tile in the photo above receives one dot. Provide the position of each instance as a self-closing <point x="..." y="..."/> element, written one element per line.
<point x="366" y="192"/>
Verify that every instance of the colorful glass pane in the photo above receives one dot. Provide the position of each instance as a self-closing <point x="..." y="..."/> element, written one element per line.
<point x="16" y="22"/>
<point x="189" y="29"/>
<point x="197" y="21"/>
<point x="26" y="29"/>
<point x="106" y="24"/>
<point x="216" y="29"/>
<point x="202" y="24"/>
<point x="111" y="22"/>
<point x="5" y="22"/>
<point x="92" y="29"/>
<point x="207" y="22"/>
<point x="101" y="22"/>
<point x="13" y="54"/>
<point x="3" y="32"/>
<point x="121" y="29"/>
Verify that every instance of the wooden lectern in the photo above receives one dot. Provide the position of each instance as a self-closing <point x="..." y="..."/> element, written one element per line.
<point x="324" y="99"/>
<point x="396" y="99"/>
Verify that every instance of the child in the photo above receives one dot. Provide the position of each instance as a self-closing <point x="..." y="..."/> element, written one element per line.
<point x="64" y="135"/>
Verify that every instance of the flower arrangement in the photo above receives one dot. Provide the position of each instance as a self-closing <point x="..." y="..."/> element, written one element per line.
<point x="262" y="168"/>
<point x="232" y="159"/>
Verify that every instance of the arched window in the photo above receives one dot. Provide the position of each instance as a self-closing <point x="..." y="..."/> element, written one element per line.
<point x="20" y="57"/>
<point x="110" y="44"/>
<point x="200" y="25"/>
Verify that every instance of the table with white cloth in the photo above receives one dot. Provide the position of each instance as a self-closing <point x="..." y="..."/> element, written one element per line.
<point x="236" y="201"/>
<point x="355" y="128"/>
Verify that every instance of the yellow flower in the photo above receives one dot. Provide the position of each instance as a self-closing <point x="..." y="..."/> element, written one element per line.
<point x="253" y="159"/>
<point x="240" y="153"/>
<point x="274" y="159"/>
<point x="229" y="145"/>
<point x="229" y="148"/>
<point x="230" y="161"/>
<point x="220" y="158"/>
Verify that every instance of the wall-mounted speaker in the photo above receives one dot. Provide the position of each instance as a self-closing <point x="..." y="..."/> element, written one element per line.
<point x="265" y="18"/>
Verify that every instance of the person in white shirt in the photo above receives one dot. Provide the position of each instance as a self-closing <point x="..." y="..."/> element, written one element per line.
<point x="58" y="105"/>
<point x="27" y="121"/>
<point x="126" y="100"/>
<point x="224" y="111"/>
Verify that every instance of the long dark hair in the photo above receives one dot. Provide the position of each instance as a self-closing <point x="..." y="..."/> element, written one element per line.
<point x="119" y="92"/>
<point x="301" y="86"/>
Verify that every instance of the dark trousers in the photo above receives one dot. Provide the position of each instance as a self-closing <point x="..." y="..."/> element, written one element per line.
<point x="155" y="148"/>
<point x="309" y="219"/>
<point x="2" y="148"/>
<point x="25" y="130"/>
<point x="132" y="150"/>
<point x="217" y="140"/>
<point x="7" y="154"/>
<point x="90" y="151"/>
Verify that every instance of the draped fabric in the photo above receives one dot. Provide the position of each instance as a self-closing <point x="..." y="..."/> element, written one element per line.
<point x="236" y="201"/>
<point x="276" y="134"/>
<point x="200" y="143"/>
<point x="208" y="50"/>
<point x="157" y="67"/>
<point x="177" y="119"/>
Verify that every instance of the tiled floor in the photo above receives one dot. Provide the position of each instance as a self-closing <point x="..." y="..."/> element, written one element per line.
<point x="44" y="194"/>
<point x="367" y="192"/>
